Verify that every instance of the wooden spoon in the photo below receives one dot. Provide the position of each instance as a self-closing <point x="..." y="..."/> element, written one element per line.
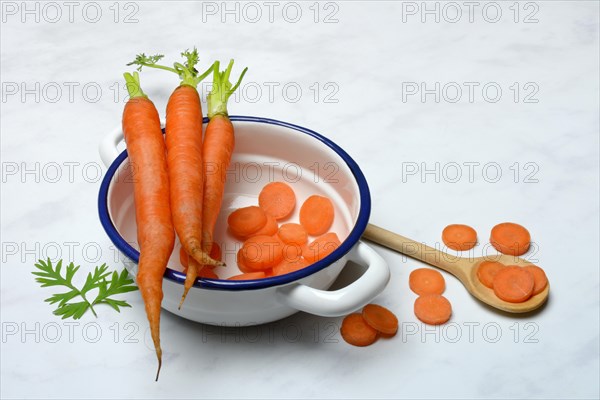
<point x="465" y="269"/>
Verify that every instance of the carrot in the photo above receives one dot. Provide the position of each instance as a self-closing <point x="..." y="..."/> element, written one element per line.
<point x="183" y="258"/>
<point x="509" y="238"/>
<point x="277" y="199"/>
<point x="219" y="141"/>
<point x="247" y="276"/>
<point x="241" y="262"/>
<point x="380" y="319"/>
<point x="293" y="234"/>
<point x="424" y="281"/>
<point x="487" y="270"/>
<point x="316" y="215"/>
<point x="262" y="252"/>
<point x="514" y="284"/>
<point x="459" y="237"/>
<point x="540" y="281"/>
<point x="292" y="252"/>
<point x="433" y="309"/>
<point x="156" y="237"/>
<point x="270" y="227"/>
<point x="184" y="158"/>
<point x="245" y="221"/>
<point x="287" y="266"/>
<point x="321" y="247"/>
<point x="357" y="332"/>
<point x="207" y="272"/>
<point x="215" y="254"/>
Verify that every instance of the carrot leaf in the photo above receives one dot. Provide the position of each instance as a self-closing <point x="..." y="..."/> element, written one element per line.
<point x="222" y="89"/>
<point x="187" y="71"/>
<point x="108" y="284"/>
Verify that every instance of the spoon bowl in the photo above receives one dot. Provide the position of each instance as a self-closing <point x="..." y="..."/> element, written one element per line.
<point x="463" y="268"/>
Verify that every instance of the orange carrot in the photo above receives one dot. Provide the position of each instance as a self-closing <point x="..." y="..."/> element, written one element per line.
<point x="270" y="227"/>
<point x="357" y="332"/>
<point x="316" y="215"/>
<point x="247" y="276"/>
<point x="293" y="234"/>
<point x="424" y="281"/>
<point x="487" y="270"/>
<point x="287" y="266"/>
<point x="241" y="262"/>
<point x="380" y="319"/>
<point x="433" y="309"/>
<point x="245" y="221"/>
<point x="219" y="141"/>
<point x="540" y="281"/>
<point x="459" y="237"/>
<point x="510" y="238"/>
<point x="215" y="254"/>
<point x="262" y="252"/>
<point x="183" y="258"/>
<point x="277" y="199"/>
<point x="514" y="284"/>
<point x="184" y="158"/>
<point x="156" y="237"/>
<point x="207" y="272"/>
<point x="321" y="247"/>
<point x="292" y="252"/>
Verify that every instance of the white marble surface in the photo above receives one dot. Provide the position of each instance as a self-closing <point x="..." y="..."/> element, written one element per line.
<point x="370" y="57"/>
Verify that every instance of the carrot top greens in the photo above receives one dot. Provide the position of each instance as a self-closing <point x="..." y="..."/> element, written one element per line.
<point x="187" y="71"/>
<point x="222" y="89"/>
<point x="132" y="82"/>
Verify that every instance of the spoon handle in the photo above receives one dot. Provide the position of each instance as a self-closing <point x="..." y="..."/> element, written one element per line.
<point x="420" y="251"/>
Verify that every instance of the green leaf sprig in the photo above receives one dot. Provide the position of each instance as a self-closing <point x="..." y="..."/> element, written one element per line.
<point x="108" y="285"/>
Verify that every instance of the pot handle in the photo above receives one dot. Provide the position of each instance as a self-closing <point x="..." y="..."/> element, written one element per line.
<point x="348" y="299"/>
<point x="108" y="146"/>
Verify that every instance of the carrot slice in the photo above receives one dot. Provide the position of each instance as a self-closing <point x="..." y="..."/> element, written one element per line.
<point x="277" y="199"/>
<point x="183" y="258"/>
<point x="292" y="252"/>
<point x="316" y="215"/>
<point x="247" y="276"/>
<point x="262" y="252"/>
<point x="270" y="227"/>
<point x="487" y="270"/>
<point x="357" y="332"/>
<point x="285" y="266"/>
<point x="509" y="238"/>
<point x="380" y="318"/>
<point x="321" y="247"/>
<point x="459" y="237"/>
<point x="215" y="254"/>
<point x="424" y="281"/>
<point x="514" y="284"/>
<point x="241" y="262"/>
<point x="433" y="309"/>
<point x="540" y="281"/>
<point x="293" y="234"/>
<point x="207" y="272"/>
<point x="244" y="221"/>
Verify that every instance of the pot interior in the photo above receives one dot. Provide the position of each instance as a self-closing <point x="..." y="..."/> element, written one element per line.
<point x="264" y="152"/>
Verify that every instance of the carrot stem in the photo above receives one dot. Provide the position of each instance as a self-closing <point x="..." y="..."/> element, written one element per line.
<point x="187" y="71"/>
<point x="222" y="90"/>
<point x="133" y="85"/>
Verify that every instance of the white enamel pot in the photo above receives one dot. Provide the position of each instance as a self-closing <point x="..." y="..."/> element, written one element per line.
<point x="265" y="150"/>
